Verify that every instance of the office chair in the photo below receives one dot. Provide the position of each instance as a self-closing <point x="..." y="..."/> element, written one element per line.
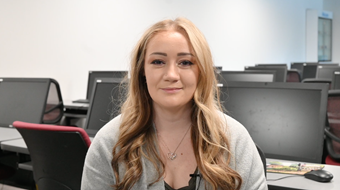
<point x="263" y="158"/>
<point x="332" y="131"/>
<point x="318" y="80"/>
<point x="293" y="75"/>
<point x="6" y="171"/>
<point x="57" y="154"/>
<point x="54" y="109"/>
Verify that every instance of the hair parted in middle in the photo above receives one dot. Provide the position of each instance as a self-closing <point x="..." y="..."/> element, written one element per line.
<point x="209" y="131"/>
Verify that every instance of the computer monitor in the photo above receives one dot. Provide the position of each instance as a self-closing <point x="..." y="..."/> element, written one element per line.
<point x="271" y="64"/>
<point x="249" y="75"/>
<point x="107" y="96"/>
<point x="336" y="80"/>
<point x="285" y="119"/>
<point x="299" y="66"/>
<point x="22" y="99"/>
<point x="102" y="74"/>
<point x="326" y="71"/>
<point x="281" y="71"/>
<point x="309" y="70"/>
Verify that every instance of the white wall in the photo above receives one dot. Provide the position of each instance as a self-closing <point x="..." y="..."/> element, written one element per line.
<point x="65" y="39"/>
<point x="334" y="6"/>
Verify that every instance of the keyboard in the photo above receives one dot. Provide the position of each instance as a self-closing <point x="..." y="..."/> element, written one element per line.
<point x="83" y="101"/>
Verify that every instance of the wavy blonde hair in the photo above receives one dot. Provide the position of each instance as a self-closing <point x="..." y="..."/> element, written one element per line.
<point x="137" y="136"/>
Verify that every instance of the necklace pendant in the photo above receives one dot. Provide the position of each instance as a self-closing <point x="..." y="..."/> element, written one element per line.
<point x="172" y="155"/>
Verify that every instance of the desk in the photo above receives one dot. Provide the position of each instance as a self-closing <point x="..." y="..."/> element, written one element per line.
<point x="8" y="134"/>
<point x="300" y="182"/>
<point x="75" y="113"/>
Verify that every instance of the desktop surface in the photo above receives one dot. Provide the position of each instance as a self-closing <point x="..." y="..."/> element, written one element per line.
<point x="299" y="182"/>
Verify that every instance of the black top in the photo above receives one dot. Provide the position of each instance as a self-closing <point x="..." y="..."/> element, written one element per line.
<point x="191" y="186"/>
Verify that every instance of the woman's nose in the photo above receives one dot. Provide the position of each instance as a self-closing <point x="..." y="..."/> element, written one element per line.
<point x="171" y="72"/>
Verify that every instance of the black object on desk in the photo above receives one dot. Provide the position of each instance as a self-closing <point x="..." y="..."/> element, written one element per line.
<point x="23" y="99"/>
<point x="93" y="75"/>
<point x="285" y="119"/>
<point x="107" y="96"/>
<point x="319" y="175"/>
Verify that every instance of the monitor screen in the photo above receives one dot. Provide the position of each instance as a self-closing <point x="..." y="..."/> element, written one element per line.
<point x="281" y="71"/>
<point x="250" y="76"/>
<point x="285" y="119"/>
<point x="102" y="74"/>
<point x="309" y="70"/>
<point x="299" y="65"/>
<point x="336" y="80"/>
<point x="326" y="71"/>
<point x="105" y="103"/>
<point x="22" y="99"/>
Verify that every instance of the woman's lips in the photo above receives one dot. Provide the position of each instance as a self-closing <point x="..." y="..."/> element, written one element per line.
<point x="171" y="90"/>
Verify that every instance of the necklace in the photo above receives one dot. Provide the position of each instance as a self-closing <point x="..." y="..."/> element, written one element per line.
<point x="172" y="155"/>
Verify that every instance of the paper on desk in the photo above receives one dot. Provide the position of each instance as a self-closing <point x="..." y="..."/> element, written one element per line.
<point x="296" y="168"/>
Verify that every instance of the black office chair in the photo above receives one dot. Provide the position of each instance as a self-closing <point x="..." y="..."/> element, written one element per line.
<point x="293" y="75"/>
<point x="54" y="109"/>
<point x="333" y="130"/>
<point x="57" y="154"/>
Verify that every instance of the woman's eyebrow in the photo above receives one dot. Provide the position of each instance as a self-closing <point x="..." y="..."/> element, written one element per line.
<point x="184" y="54"/>
<point x="158" y="53"/>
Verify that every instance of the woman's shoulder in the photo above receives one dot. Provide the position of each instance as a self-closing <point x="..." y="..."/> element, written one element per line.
<point x="109" y="133"/>
<point x="232" y="125"/>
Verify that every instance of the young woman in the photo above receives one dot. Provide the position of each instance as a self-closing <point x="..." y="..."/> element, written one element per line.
<point x="172" y="133"/>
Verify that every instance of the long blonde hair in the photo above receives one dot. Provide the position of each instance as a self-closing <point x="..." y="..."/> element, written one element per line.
<point x="209" y="139"/>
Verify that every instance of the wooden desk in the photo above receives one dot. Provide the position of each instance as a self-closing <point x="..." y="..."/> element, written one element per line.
<point x="300" y="182"/>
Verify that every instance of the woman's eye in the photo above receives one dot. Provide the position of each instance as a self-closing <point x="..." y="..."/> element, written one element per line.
<point x="185" y="63"/>
<point x="157" y="62"/>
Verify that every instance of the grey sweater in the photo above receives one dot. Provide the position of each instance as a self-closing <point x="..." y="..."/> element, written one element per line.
<point x="98" y="173"/>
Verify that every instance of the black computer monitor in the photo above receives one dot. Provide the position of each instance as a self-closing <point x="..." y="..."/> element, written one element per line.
<point x="22" y="99"/>
<point x="249" y="75"/>
<point x="336" y="80"/>
<point x="285" y="119"/>
<point x="107" y="96"/>
<point x="299" y="66"/>
<point x="326" y="71"/>
<point x="281" y="71"/>
<point x="271" y="64"/>
<point x="101" y="74"/>
<point x="309" y="70"/>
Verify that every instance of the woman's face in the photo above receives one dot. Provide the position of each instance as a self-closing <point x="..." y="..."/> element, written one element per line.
<point x="171" y="70"/>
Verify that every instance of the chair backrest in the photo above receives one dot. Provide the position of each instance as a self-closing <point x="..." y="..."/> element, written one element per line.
<point x="57" y="154"/>
<point x="54" y="109"/>
<point x="293" y="75"/>
<point x="333" y="115"/>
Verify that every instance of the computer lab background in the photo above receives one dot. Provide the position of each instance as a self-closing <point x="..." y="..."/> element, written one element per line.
<point x="65" y="39"/>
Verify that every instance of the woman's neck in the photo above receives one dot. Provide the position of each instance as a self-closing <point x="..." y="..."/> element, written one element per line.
<point x="172" y="120"/>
